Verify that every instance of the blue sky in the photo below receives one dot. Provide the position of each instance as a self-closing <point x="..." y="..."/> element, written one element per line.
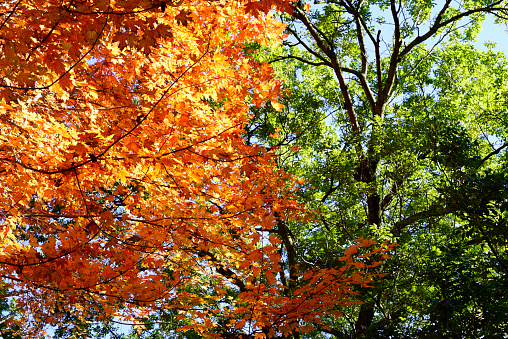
<point x="493" y="32"/>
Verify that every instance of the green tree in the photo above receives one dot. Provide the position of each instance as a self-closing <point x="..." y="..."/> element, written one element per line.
<point x="400" y="127"/>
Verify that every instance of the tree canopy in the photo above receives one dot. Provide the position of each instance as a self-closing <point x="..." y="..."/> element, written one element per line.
<point x="399" y="125"/>
<point x="127" y="188"/>
<point x="243" y="169"/>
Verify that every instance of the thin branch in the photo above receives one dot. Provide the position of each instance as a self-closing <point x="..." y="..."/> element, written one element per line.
<point x="491" y="154"/>
<point x="440" y="24"/>
<point x="95" y="158"/>
<point x="358" y="15"/>
<point x="394" y="61"/>
<point x="363" y="75"/>
<point x="280" y="58"/>
<point x="433" y="211"/>
<point x="69" y="69"/>
<point x="10" y="14"/>
<point x="310" y="50"/>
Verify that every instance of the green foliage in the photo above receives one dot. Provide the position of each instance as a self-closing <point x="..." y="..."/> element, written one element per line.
<point x="419" y="157"/>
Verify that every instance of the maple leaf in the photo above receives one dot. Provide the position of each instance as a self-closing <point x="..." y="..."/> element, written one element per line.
<point x="183" y="18"/>
<point x="146" y="44"/>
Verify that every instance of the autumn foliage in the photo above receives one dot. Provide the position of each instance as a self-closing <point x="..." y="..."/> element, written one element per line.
<point x="124" y="178"/>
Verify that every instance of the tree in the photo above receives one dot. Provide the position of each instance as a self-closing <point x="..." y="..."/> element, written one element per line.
<point x="127" y="188"/>
<point x="399" y="126"/>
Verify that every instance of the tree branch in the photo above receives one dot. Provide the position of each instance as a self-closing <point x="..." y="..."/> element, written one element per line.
<point x="285" y="235"/>
<point x="299" y="59"/>
<point x="434" y="211"/>
<point x="299" y="14"/>
<point x="310" y="50"/>
<point x="363" y="75"/>
<point x="438" y="24"/>
<point x="491" y="154"/>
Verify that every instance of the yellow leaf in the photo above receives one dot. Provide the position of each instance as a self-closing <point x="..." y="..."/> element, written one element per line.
<point x="277" y="105"/>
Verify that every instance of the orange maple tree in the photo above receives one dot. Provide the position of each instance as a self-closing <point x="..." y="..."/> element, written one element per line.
<point x="124" y="177"/>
